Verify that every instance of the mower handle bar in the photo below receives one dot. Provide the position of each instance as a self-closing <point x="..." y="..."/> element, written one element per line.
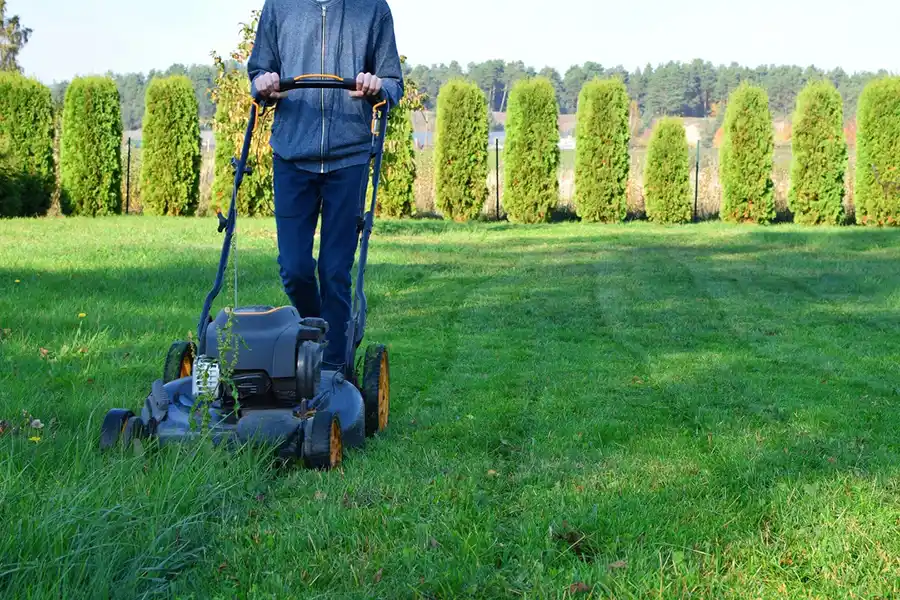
<point x="332" y="82"/>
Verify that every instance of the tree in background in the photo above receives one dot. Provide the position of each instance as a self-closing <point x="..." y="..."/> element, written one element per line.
<point x="13" y="38"/>
<point x="602" y="161"/>
<point x="819" y="156"/>
<point x="26" y="146"/>
<point x="461" y="150"/>
<point x="746" y="157"/>
<point x="232" y="97"/>
<point x="531" y="152"/>
<point x="667" y="185"/>
<point x="170" y="170"/>
<point x="878" y="153"/>
<point x="396" y="197"/>
<point x="90" y="151"/>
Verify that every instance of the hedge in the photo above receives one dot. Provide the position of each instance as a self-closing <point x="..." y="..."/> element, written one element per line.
<point x="27" y="178"/>
<point x="746" y="157"/>
<point x="461" y="150"/>
<point x="170" y="165"/>
<point x="398" y="166"/>
<point x="531" y="152"/>
<point x="819" y="156"/>
<point x="667" y="185"/>
<point x="90" y="148"/>
<point x="878" y="153"/>
<point x="602" y="161"/>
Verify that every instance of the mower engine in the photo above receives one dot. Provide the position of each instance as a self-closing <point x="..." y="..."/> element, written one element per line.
<point x="275" y="357"/>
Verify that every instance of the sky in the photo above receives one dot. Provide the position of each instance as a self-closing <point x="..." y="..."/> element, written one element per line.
<point x="96" y="36"/>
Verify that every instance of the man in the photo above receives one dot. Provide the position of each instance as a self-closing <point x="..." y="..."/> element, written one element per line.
<point x="321" y="141"/>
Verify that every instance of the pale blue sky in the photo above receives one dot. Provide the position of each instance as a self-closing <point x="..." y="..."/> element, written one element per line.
<point x="93" y="36"/>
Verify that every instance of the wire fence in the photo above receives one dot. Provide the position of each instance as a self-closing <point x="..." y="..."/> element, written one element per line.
<point x="706" y="191"/>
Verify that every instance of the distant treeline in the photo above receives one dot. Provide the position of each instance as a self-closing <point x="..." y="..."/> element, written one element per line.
<point x="693" y="89"/>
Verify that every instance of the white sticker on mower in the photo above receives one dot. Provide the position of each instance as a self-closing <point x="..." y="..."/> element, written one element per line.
<point x="206" y="377"/>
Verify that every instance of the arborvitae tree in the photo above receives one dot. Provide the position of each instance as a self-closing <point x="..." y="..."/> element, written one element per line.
<point x="746" y="157"/>
<point x="396" y="197"/>
<point x="878" y="153"/>
<point x="602" y="161"/>
<point x="170" y="170"/>
<point x="91" y="148"/>
<point x="461" y="150"/>
<point x="233" y="101"/>
<point x="531" y="153"/>
<point x="667" y="185"/>
<point x="26" y="146"/>
<point x="819" y="156"/>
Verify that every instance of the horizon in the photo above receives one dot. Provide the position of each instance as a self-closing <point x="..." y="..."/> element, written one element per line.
<point x="503" y="32"/>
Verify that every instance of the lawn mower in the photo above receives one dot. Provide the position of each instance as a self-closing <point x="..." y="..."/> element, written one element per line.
<point x="255" y="374"/>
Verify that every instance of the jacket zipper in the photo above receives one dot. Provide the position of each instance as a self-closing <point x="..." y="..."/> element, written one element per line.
<point x="322" y="149"/>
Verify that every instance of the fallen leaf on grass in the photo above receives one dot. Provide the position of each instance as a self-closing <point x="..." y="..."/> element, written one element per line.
<point x="320" y="495"/>
<point x="5" y="333"/>
<point x="434" y="543"/>
<point x="223" y="566"/>
<point x="83" y="349"/>
<point x="492" y="473"/>
<point x="619" y="564"/>
<point x="378" y="575"/>
<point x="637" y="380"/>
<point x="579" y="587"/>
<point x="260" y="497"/>
<point x="44" y="352"/>
<point x="4" y="427"/>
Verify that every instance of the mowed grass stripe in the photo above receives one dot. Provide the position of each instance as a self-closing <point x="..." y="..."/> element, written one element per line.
<point x="702" y="411"/>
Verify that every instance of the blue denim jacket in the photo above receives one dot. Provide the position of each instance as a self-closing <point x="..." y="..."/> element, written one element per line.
<point x="323" y="130"/>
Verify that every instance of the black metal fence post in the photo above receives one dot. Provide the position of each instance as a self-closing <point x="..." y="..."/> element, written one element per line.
<point x="128" y="179"/>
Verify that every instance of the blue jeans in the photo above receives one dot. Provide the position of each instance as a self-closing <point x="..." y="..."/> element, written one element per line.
<point x="300" y="196"/>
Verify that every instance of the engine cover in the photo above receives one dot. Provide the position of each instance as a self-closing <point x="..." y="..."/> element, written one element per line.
<point x="270" y="344"/>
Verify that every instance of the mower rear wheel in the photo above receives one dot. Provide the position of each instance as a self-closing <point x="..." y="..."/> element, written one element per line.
<point x="179" y="361"/>
<point x="376" y="389"/>
<point x="322" y="445"/>
<point x="113" y="427"/>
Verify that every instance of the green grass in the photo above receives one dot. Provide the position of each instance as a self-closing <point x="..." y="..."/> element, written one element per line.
<point x="630" y="411"/>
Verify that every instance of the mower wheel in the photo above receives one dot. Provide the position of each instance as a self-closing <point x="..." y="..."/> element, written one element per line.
<point x="134" y="430"/>
<point x="179" y="361"/>
<point x="322" y="445"/>
<point x="376" y="389"/>
<point x="113" y="427"/>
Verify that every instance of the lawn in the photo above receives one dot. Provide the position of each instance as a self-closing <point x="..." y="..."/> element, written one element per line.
<point x="577" y="411"/>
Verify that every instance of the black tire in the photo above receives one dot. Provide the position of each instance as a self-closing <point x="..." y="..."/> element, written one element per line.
<point x="376" y="389"/>
<point x="322" y="445"/>
<point x="113" y="427"/>
<point x="179" y="361"/>
<point x="134" y="430"/>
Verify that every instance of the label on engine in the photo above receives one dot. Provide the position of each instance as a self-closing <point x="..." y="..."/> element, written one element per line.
<point x="206" y="377"/>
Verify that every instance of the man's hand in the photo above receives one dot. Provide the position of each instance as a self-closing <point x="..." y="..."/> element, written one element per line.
<point x="366" y="85"/>
<point x="267" y="86"/>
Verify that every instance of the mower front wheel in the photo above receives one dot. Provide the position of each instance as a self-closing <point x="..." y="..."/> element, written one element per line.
<point x="376" y="389"/>
<point x="323" y="447"/>
<point x="179" y="361"/>
<point x="113" y="427"/>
